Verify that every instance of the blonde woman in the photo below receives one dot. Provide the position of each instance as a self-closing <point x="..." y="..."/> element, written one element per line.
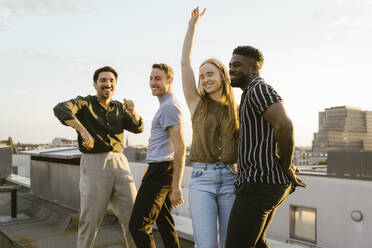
<point x="214" y="143"/>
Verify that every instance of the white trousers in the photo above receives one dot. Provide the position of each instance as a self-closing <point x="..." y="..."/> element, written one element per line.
<point x="104" y="178"/>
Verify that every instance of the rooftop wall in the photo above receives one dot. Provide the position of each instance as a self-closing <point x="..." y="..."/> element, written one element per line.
<point x="334" y="200"/>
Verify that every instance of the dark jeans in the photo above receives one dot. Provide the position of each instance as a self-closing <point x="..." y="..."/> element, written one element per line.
<point x="253" y="210"/>
<point x="153" y="205"/>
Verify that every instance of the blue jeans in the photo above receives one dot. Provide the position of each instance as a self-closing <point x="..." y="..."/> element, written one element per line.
<point x="211" y="198"/>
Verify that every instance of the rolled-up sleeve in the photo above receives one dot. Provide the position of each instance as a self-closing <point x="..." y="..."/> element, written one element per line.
<point x="130" y="126"/>
<point x="67" y="110"/>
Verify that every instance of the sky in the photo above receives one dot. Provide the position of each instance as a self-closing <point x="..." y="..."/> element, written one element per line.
<point x="317" y="55"/>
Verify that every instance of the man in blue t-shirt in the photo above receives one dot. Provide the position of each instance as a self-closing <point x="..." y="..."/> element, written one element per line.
<point x="161" y="185"/>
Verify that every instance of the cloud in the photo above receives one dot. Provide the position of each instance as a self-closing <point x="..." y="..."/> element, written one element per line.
<point x="18" y="92"/>
<point x="74" y="62"/>
<point x="357" y="15"/>
<point x="10" y="8"/>
<point x="66" y="61"/>
<point x="353" y="21"/>
<point x="71" y="61"/>
<point x="61" y="60"/>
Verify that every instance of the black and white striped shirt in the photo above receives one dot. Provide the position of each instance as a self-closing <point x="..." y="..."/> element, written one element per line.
<point x="258" y="161"/>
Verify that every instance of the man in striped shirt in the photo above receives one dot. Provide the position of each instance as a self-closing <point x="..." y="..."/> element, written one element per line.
<point x="266" y="143"/>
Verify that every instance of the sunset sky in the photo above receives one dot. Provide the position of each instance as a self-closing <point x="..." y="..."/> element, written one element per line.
<point x="317" y="55"/>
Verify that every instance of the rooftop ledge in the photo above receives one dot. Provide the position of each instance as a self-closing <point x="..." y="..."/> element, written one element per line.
<point x="51" y="225"/>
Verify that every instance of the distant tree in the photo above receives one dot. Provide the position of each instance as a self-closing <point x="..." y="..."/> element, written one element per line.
<point x="324" y="162"/>
<point x="12" y="145"/>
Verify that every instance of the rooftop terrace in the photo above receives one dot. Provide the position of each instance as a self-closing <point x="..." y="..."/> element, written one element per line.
<point x="43" y="224"/>
<point x="48" y="208"/>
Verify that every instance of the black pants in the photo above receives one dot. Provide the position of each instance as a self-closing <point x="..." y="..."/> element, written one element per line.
<point x="153" y="205"/>
<point x="253" y="210"/>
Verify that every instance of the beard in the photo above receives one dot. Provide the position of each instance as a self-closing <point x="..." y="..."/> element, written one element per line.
<point x="240" y="80"/>
<point x="105" y="95"/>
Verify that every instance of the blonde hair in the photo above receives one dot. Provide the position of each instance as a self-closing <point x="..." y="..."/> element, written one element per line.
<point x="227" y="95"/>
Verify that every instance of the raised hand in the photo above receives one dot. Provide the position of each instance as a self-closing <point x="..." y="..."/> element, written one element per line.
<point x="129" y="106"/>
<point x="196" y="15"/>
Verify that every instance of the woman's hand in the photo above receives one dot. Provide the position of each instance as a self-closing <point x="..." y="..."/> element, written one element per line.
<point x="196" y="15"/>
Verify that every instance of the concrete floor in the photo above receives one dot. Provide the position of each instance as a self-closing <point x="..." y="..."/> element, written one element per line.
<point x="41" y="224"/>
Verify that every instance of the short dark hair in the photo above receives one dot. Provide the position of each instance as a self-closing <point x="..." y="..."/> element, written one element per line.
<point x="167" y="69"/>
<point x="105" y="68"/>
<point x="249" y="51"/>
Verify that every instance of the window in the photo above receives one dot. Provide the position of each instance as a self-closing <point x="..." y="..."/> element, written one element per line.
<point x="303" y="224"/>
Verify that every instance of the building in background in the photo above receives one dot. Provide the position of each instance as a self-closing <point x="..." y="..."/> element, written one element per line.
<point x="345" y="128"/>
<point x="317" y="157"/>
<point x="304" y="156"/>
<point x="63" y="142"/>
<point x="301" y="156"/>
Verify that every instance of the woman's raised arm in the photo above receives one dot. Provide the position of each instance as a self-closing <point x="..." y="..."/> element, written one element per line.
<point x="188" y="77"/>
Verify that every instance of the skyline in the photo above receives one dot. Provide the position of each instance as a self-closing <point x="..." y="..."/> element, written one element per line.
<point x="316" y="55"/>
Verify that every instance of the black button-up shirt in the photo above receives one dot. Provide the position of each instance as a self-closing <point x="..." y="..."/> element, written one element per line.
<point x="105" y="126"/>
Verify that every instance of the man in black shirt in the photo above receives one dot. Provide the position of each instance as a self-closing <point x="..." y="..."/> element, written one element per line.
<point x="104" y="171"/>
<point x="265" y="153"/>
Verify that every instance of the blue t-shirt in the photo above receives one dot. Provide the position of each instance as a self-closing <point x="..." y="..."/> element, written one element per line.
<point x="160" y="147"/>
